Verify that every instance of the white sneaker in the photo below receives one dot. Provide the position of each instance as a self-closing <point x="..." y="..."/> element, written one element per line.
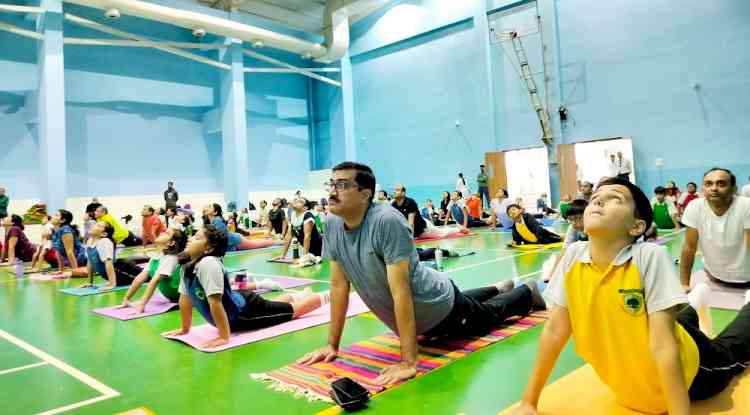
<point x="270" y="284"/>
<point x="747" y="296"/>
<point x="297" y="297"/>
<point x="699" y="296"/>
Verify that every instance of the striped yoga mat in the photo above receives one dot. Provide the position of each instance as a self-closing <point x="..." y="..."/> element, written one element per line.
<point x="363" y="361"/>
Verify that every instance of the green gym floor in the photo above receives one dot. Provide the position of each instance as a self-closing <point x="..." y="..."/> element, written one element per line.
<point x="58" y="356"/>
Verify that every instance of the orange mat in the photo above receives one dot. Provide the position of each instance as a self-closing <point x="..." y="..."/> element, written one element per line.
<point x="581" y="392"/>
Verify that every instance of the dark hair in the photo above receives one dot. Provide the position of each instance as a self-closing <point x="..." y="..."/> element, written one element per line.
<point x="180" y="241"/>
<point x="67" y="219"/>
<point x="458" y="192"/>
<point x="481" y="165"/>
<point x="91" y="208"/>
<point x="104" y="208"/>
<point x="512" y="205"/>
<point x="461" y="175"/>
<point x="732" y="177"/>
<point x="505" y="192"/>
<point x="693" y="183"/>
<point x="575" y="208"/>
<point x="110" y="233"/>
<point x="16" y="221"/>
<point x="364" y="176"/>
<point x="642" y="203"/>
<point x="217" y="209"/>
<point x="659" y="190"/>
<point x="217" y="243"/>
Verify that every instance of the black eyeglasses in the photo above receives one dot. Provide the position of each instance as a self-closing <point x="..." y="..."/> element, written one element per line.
<point x="340" y="185"/>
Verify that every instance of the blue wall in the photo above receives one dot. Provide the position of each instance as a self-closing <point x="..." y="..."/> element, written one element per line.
<point x="626" y="70"/>
<point x="135" y="116"/>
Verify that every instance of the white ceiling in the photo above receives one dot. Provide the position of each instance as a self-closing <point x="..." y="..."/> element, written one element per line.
<point x="305" y="15"/>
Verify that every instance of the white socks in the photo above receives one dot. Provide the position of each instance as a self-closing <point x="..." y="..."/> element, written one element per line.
<point x="269" y="284"/>
<point x="297" y="297"/>
<point x="699" y="299"/>
<point x="325" y="298"/>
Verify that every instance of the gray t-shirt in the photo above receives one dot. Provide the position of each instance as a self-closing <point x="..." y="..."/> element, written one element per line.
<point x="384" y="238"/>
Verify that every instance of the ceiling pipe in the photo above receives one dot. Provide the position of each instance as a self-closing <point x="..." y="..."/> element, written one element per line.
<point x="216" y="25"/>
<point x="337" y="17"/>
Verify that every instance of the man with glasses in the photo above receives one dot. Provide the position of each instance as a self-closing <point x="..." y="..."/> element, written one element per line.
<point x="370" y="246"/>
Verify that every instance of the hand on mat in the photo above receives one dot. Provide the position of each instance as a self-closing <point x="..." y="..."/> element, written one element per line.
<point x="138" y="307"/>
<point x="524" y="408"/>
<point x="178" y="332"/>
<point x="395" y="373"/>
<point x="217" y="342"/>
<point x="325" y="354"/>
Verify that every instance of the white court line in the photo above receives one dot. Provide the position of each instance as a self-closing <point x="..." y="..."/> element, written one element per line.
<point x="70" y="370"/>
<point x="489" y="261"/>
<point x="20" y="368"/>
<point x="76" y="405"/>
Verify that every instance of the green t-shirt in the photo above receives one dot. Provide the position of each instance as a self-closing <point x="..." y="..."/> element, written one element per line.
<point x="482" y="179"/>
<point x="4" y="201"/>
<point x="564" y="208"/>
<point x="662" y="219"/>
<point x="167" y="286"/>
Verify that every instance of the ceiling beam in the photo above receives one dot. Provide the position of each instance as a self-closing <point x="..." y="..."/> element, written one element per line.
<point x="288" y="17"/>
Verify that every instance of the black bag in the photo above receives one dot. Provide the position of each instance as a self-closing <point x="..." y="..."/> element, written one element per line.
<point x="349" y="394"/>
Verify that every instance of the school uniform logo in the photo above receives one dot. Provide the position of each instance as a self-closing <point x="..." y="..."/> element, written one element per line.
<point x="200" y="293"/>
<point x="632" y="301"/>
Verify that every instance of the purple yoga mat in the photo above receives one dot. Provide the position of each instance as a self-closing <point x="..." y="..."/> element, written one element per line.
<point x="158" y="305"/>
<point x="285" y="282"/>
<point x="722" y="295"/>
<point x="201" y="334"/>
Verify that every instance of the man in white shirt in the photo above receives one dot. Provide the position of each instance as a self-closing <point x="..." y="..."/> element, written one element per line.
<point x="746" y="189"/>
<point x="720" y="223"/>
<point x="614" y="168"/>
<point x="624" y="167"/>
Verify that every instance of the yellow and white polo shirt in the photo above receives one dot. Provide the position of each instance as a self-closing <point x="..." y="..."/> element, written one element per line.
<point x="609" y="312"/>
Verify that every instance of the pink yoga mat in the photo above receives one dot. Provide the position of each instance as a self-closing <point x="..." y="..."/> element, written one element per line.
<point x="722" y="295"/>
<point x="158" y="305"/>
<point x="285" y="282"/>
<point x="201" y="334"/>
<point x="46" y="277"/>
<point x="453" y="235"/>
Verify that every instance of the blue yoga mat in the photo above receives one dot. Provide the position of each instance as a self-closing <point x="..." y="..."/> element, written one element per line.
<point x="80" y="291"/>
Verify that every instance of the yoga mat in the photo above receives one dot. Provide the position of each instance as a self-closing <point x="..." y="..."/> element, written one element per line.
<point x="201" y="334"/>
<point x="533" y="247"/>
<point x="453" y="235"/>
<point x="158" y="305"/>
<point x="285" y="282"/>
<point x="38" y="276"/>
<point x="581" y="392"/>
<point x="363" y="361"/>
<point x="80" y="291"/>
<point x="722" y="295"/>
<point x="281" y="260"/>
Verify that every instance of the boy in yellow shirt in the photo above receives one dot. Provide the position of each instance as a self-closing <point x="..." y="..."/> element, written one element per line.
<point x="627" y="312"/>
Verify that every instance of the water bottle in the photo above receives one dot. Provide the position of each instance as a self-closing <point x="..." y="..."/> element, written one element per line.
<point x="295" y="249"/>
<point x="19" y="268"/>
<point x="439" y="258"/>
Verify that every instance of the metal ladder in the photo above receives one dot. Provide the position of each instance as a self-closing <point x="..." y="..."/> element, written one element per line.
<point x="527" y="78"/>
